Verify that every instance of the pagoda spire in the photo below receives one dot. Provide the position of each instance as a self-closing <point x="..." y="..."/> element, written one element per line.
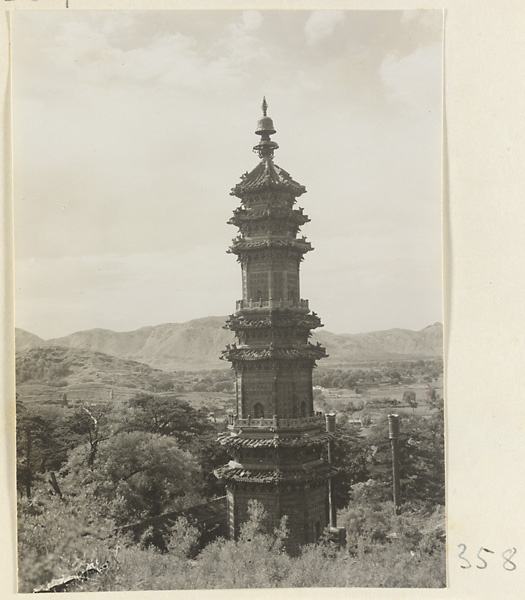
<point x="266" y="147"/>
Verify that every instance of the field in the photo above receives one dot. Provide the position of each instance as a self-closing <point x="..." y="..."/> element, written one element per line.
<point x="339" y="399"/>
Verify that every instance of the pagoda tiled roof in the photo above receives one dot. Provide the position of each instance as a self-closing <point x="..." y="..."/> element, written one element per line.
<point x="241" y="215"/>
<point x="267" y="175"/>
<point x="304" y="321"/>
<point x="275" y="475"/>
<point x="241" y="244"/>
<point x="309" y="351"/>
<point x="297" y="441"/>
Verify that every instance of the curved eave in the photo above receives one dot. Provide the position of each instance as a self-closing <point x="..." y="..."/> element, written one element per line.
<point x="299" y="441"/>
<point x="242" y="216"/>
<point x="240" y="475"/>
<point x="240" y="246"/>
<point x="310" y="352"/>
<point x="308" y="322"/>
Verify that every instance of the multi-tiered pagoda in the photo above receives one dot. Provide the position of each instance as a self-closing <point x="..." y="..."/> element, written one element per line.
<point x="277" y="441"/>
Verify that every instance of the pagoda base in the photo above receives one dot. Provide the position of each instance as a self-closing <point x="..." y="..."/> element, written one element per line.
<point x="305" y="505"/>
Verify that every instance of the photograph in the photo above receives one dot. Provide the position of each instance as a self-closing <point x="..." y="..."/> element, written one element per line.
<point x="228" y="299"/>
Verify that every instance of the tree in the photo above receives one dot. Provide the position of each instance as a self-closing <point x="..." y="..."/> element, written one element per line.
<point x="421" y="459"/>
<point x="320" y="402"/>
<point x="91" y="421"/>
<point x="166" y="415"/>
<point x="221" y="386"/>
<point x="409" y="397"/>
<point x="350" y="454"/>
<point x="210" y="455"/>
<point x="394" y="375"/>
<point x="41" y="444"/>
<point x="141" y="474"/>
<point x="350" y="408"/>
<point x="435" y="401"/>
<point x="165" y="384"/>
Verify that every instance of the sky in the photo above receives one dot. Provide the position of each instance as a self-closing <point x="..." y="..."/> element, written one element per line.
<point x="131" y="127"/>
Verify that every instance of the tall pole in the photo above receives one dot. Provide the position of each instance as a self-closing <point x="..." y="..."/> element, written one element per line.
<point x="330" y="428"/>
<point x="393" y="434"/>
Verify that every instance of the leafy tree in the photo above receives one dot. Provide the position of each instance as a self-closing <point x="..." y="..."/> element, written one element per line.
<point x="435" y="401"/>
<point x="366" y="420"/>
<point x="210" y="455"/>
<point x="394" y="375"/>
<point x="222" y="386"/>
<point x="141" y="474"/>
<point x="41" y="444"/>
<point x="166" y="415"/>
<point x="371" y="524"/>
<point x="165" y="384"/>
<point x="320" y="402"/>
<point x="421" y="458"/>
<point x="409" y="397"/>
<point x="350" y="454"/>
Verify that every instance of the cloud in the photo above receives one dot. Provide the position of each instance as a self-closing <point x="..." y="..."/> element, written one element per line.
<point x="407" y="78"/>
<point x="252" y="19"/>
<point x="82" y="55"/>
<point x="322" y="24"/>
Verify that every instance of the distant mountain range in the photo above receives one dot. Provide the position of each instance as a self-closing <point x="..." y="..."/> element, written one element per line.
<point x="197" y="344"/>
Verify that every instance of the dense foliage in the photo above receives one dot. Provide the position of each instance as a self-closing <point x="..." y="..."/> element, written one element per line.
<point x="383" y="550"/>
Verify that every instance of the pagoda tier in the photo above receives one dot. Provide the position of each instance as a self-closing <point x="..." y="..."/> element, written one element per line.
<point x="266" y="177"/>
<point x="254" y="220"/>
<point x="279" y="327"/>
<point x="273" y="320"/>
<point x="242" y="474"/>
<point x="275" y="438"/>
<point x="241" y="245"/>
<point x="308" y="352"/>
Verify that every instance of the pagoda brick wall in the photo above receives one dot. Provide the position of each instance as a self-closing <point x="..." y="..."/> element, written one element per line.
<point x="256" y="388"/>
<point x="278" y="281"/>
<point x="286" y="388"/>
<point x="306" y="511"/>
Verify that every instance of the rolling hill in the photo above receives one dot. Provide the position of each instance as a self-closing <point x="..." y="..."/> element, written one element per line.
<point x="45" y="373"/>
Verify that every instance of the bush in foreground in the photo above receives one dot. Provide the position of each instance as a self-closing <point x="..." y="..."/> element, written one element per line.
<point x="408" y="551"/>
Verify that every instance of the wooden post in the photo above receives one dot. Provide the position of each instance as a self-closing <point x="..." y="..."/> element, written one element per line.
<point x="330" y="428"/>
<point x="393" y="434"/>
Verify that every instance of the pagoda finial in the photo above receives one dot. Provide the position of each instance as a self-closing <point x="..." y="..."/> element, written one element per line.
<point x="265" y="148"/>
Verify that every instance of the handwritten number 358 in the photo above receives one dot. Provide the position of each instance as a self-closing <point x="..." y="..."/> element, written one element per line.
<point x="508" y="554"/>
